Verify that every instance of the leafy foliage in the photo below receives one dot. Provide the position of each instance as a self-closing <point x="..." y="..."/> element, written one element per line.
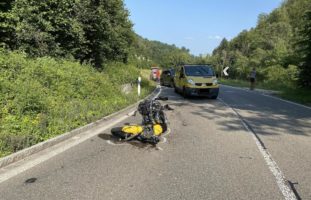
<point x="7" y="24"/>
<point x="305" y="51"/>
<point x="148" y="53"/>
<point x="48" y="83"/>
<point x="278" y="47"/>
<point x="87" y="30"/>
<point x="41" y="98"/>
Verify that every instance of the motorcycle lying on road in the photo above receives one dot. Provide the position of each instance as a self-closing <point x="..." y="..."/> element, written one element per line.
<point x="154" y="122"/>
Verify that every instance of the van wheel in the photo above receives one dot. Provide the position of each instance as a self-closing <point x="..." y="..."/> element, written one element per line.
<point x="175" y="90"/>
<point x="184" y="93"/>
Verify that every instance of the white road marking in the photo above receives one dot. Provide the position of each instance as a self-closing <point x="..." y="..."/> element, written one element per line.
<point x="159" y="148"/>
<point x="167" y="132"/>
<point x="115" y="144"/>
<point x="158" y="86"/>
<point x="131" y="113"/>
<point x="23" y="165"/>
<point x="276" y="171"/>
<point x="163" y="141"/>
<point x="290" y="102"/>
<point x="273" y="97"/>
<point x="19" y="167"/>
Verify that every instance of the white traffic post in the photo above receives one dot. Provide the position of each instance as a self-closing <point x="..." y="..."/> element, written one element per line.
<point x="138" y="88"/>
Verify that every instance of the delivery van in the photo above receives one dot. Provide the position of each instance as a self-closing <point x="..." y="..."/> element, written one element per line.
<point x="196" y="80"/>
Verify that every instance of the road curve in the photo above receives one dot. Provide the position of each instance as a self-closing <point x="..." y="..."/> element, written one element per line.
<point x="284" y="128"/>
<point x="208" y="154"/>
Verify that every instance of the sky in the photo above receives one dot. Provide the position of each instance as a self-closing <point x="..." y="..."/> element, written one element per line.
<point x="198" y="25"/>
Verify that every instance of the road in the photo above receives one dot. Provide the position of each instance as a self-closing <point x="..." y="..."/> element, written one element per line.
<point x="215" y="149"/>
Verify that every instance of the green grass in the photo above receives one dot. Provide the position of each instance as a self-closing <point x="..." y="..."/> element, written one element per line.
<point x="299" y="95"/>
<point x="44" y="97"/>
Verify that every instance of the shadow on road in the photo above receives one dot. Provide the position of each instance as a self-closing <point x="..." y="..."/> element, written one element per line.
<point x="266" y="116"/>
<point x="269" y="116"/>
<point x="116" y="141"/>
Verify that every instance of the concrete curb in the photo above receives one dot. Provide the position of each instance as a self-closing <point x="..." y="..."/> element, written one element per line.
<point x="53" y="141"/>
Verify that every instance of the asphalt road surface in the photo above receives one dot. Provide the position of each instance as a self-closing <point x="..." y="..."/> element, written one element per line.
<point x="215" y="149"/>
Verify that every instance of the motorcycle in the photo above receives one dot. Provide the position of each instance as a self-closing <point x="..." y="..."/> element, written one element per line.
<point x="154" y="122"/>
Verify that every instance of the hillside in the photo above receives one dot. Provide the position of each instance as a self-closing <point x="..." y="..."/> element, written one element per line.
<point x="157" y="53"/>
<point x="278" y="47"/>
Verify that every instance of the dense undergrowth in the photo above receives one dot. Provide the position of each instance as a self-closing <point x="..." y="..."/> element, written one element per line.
<point x="44" y="97"/>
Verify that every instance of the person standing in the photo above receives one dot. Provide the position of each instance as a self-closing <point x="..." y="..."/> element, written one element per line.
<point x="252" y="79"/>
<point x="158" y="75"/>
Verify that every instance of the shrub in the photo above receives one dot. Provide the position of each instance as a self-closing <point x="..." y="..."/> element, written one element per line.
<point x="41" y="98"/>
<point x="281" y="76"/>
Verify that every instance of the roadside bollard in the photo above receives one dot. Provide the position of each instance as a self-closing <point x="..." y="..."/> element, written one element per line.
<point x="138" y="87"/>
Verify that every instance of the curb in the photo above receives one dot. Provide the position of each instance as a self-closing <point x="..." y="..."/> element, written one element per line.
<point x="5" y="161"/>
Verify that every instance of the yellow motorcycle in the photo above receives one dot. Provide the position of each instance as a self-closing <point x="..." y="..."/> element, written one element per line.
<point x="154" y="122"/>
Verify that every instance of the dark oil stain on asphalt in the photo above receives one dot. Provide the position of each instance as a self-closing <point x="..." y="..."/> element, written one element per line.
<point x="31" y="180"/>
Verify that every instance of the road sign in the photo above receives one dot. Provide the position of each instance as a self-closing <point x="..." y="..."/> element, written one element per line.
<point x="225" y="71"/>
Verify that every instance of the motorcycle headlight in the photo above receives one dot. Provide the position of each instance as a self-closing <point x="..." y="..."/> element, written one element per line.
<point x="191" y="82"/>
<point x="215" y="82"/>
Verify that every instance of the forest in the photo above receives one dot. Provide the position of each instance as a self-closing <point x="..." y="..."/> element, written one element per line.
<point x="279" y="47"/>
<point x="96" y="32"/>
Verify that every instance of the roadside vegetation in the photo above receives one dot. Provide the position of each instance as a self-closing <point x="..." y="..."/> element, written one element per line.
<point x="65" y="63"/>
<point x="279" y="47"/>
<point x="44" y="97"/>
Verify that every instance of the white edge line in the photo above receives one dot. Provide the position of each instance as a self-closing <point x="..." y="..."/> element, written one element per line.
<point x="276" y="171"/>
<point x="14" y="169"/>
<point x="59" y="148"/>
<point x="167" y="132"/>
<point x="273" y="97"/>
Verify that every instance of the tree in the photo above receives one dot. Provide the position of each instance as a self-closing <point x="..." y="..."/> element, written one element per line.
<point x="47" y="27"/>
<point x="305" y="50"/>
<point x="89" y="30"/>
<point x="7" y="25"/>
<point x="107" y="29"/>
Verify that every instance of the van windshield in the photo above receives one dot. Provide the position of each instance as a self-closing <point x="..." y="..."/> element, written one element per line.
<point x="198" y="70"/>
